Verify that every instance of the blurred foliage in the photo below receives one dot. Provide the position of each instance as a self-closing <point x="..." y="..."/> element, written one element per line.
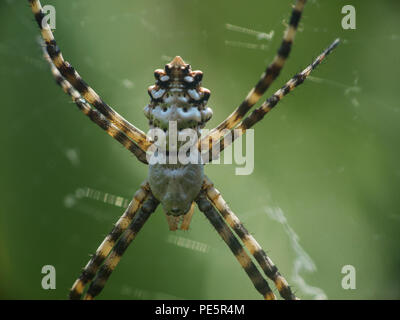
<point x="327" y="156"/>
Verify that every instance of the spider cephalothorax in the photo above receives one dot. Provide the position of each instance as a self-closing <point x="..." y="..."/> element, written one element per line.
<point x="176" y="186"/>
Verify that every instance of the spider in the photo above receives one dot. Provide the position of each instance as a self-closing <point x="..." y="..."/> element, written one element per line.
<point x="178" y="96"/>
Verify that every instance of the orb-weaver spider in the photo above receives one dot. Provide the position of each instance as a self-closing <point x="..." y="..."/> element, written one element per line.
<point x="177" y="96"/>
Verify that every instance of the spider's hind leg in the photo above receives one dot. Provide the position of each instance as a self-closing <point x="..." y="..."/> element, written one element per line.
<point x="93" y="114"/>
<point x="259" y="113"/>
<point x="267" y="78"/>
<point x="72" y="76"/>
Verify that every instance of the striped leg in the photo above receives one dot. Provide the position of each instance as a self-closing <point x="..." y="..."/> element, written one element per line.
<point x="108" y="243"/>
<point x="94" y="115"/>
<point x="148" y="207"/>
<point x="259" y="113"/>
<point x="270" y="270"/>
<point x="69" y="73"/>
<point x="237" y="249"/>
<point x="270" y="74"/>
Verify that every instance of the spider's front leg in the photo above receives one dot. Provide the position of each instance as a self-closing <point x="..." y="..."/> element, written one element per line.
<point x="70" y="76"/>
<point x="108" y="243"/>
<point x="270" y="270"/>
<point x="98" y="283"/>
<point x="206" y="206"/>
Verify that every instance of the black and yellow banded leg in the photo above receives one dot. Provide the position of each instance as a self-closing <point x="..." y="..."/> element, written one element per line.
<point x="298" y="79"/>
<point x="69" y="73"/>
<point x="270" y="74"/>
<point x="98" y="283"/>
<point x="108" y="243"/>
<point x="259" y="113"/>
<point x="233" y="243"/>
<point x="270" y="270"/>
<point x="94" y="115"/>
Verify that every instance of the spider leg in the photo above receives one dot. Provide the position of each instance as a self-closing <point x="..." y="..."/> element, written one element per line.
<point x="270" y="270"/>
<point x="259" y="113"/>
<point x="69" y="73"/>
<point x="94" y="115"/>
<point x="270" y="74"/>
<point x="98" y="283"/>
<point x="237" y="249"/>
<point x="108" y="243"/>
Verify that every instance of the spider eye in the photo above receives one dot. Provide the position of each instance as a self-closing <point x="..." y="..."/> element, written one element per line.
<point x="175" y="210"/>
<point x="167" y="69"/>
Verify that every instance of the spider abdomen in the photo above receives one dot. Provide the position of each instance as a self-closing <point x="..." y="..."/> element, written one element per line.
<point x="178" y="96"/>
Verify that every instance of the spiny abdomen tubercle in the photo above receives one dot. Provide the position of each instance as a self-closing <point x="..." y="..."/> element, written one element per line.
<point x="178" y="96"/>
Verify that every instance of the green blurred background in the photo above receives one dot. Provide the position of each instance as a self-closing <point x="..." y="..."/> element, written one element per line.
<point x="326" y="159"/>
